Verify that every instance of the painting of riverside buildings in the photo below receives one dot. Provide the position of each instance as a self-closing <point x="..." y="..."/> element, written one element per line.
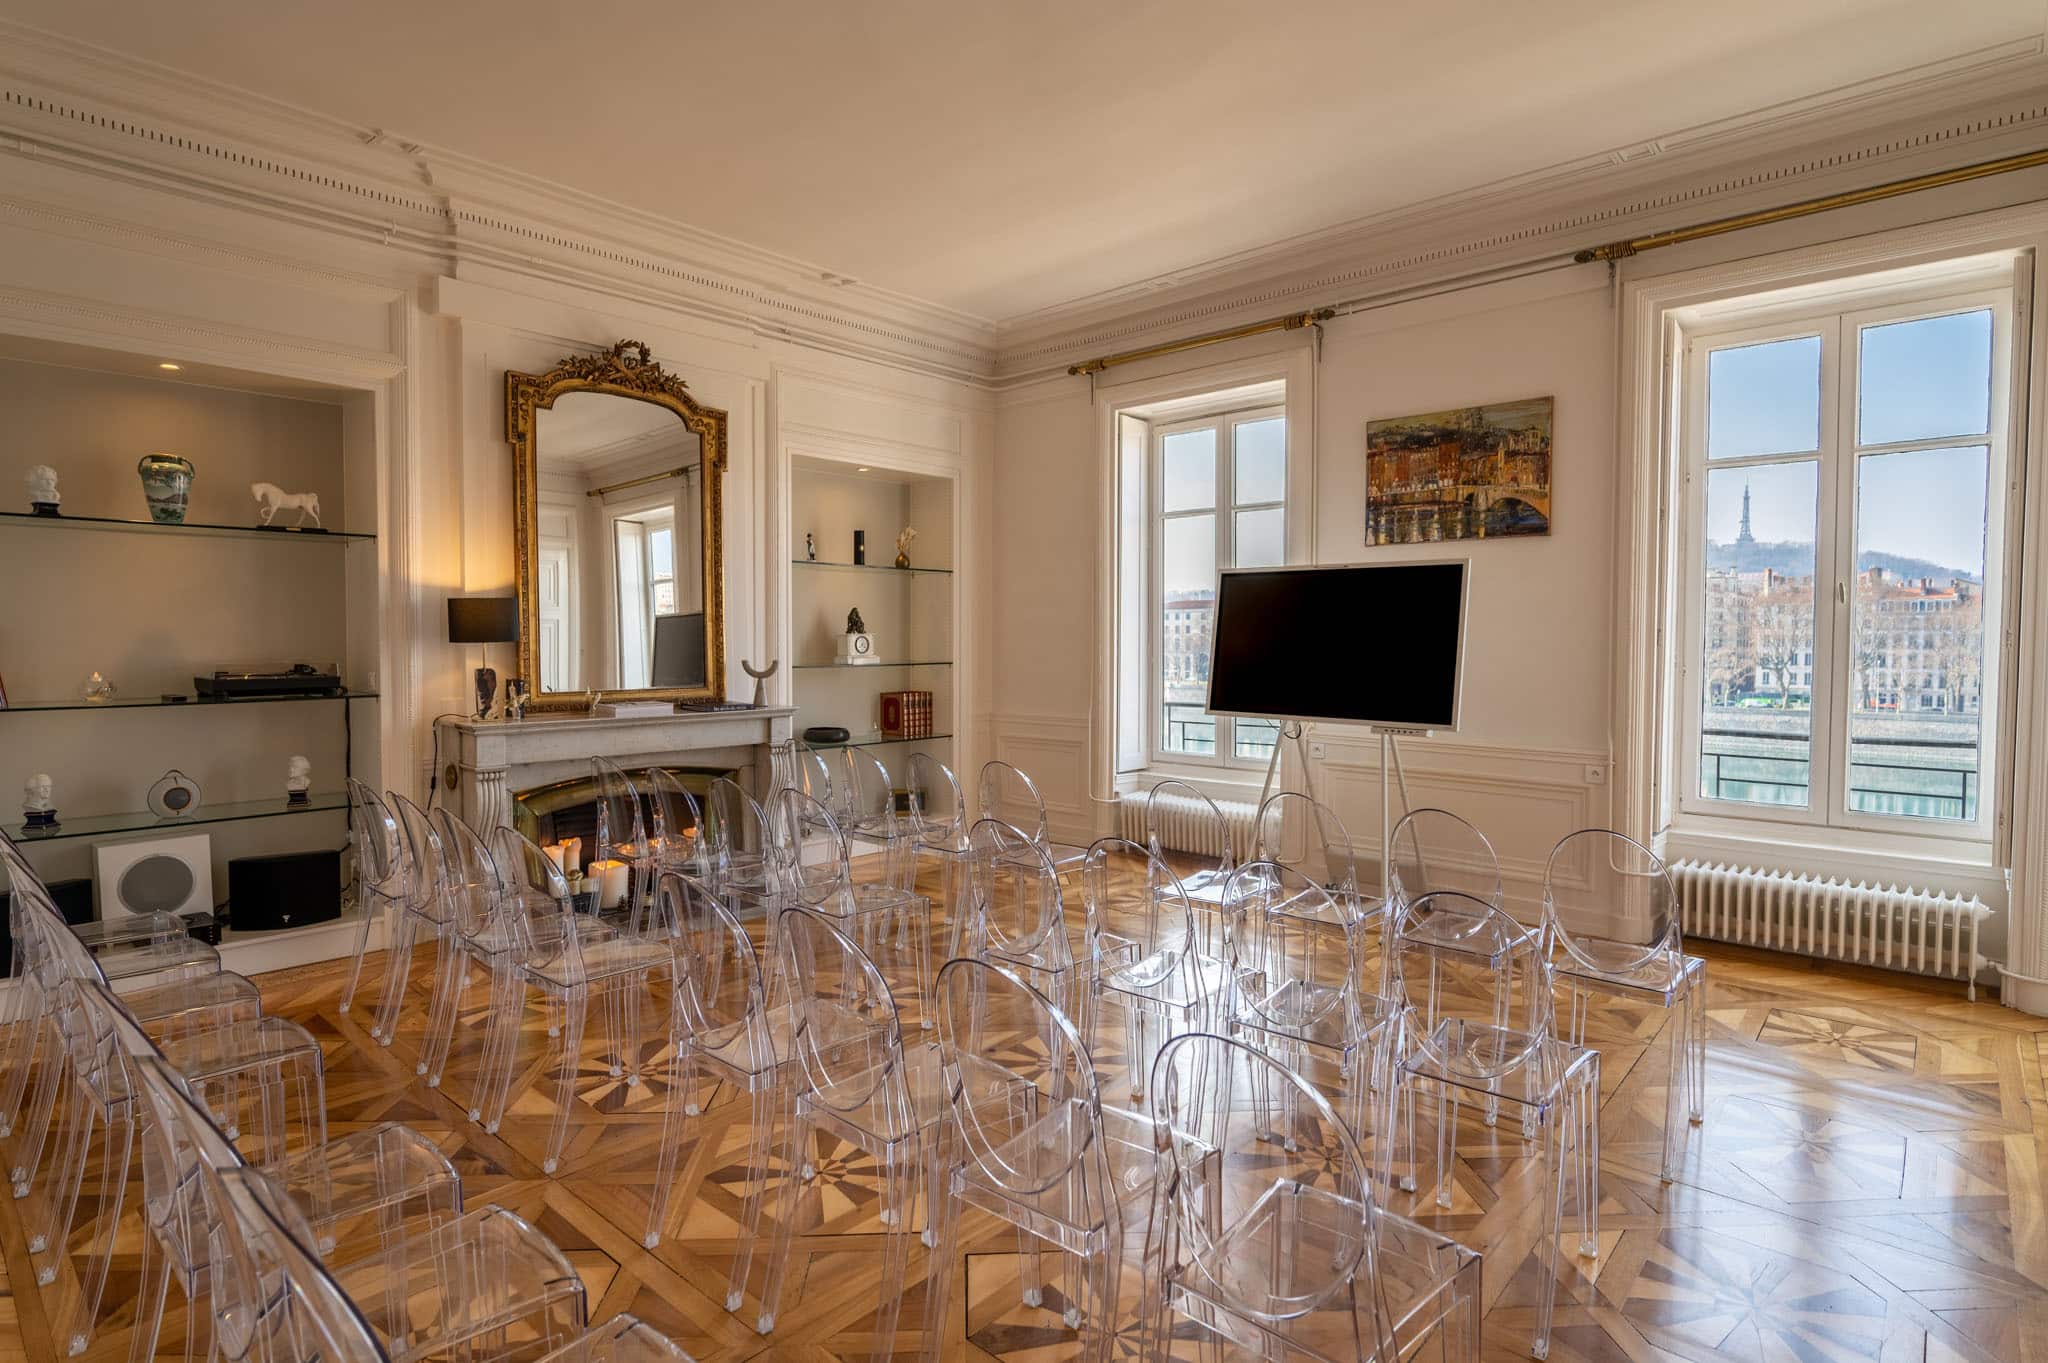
<point x="1473" y="473"/>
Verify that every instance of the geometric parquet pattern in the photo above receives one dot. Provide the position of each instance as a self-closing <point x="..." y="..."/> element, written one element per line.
<point x="1868" y="1185"/>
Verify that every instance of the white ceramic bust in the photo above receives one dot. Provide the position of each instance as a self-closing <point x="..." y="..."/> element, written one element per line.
<point x="38" y="794"/>
<point x="42" y="486"/>
<point x="298" y="778"/>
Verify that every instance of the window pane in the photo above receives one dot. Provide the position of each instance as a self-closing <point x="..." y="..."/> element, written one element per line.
<point x="661" y="553"/>
<point x="1756" y="720"/>
<point x="1188" y="575"/>
<point x="1187" y="474"/>
<point x="1262" y="461"/>
<point x="1925" y="379"/>
<point x="1261" y="538"/>
<point x="1764" y="399"/>
<point x="1916" y="689"/>
<point x="1255" y="737"/>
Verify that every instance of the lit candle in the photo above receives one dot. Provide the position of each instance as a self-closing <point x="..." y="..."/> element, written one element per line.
<point x="555" y="852"/>
<point x="611" y="879"/>
<point x="572" y="853"/>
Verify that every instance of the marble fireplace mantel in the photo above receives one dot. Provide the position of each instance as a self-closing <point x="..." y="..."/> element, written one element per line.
<point x="488" y="759"/>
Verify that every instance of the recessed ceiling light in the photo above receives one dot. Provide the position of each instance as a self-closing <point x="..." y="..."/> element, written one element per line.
<point x="166" y="364"/>
<point x="865" y="469"/>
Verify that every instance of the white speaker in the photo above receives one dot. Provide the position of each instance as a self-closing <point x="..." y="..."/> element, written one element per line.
<point x="154" y="875"/>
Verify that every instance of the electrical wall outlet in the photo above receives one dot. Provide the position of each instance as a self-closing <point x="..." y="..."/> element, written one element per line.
<point x="1596" y="775"/>
<point x="1318" y="751"/>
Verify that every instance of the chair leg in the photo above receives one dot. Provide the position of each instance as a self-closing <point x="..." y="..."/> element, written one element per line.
<point x="49" y="1244"/>
<point x="153" y="1281"/>
<point x="1696" y="1013"/>
<point x="397" y="967"/>
<point x="494" y="1081"/>
<point x="674" y="1109"/>
<point x="945" y="1257"/>
<point x="1589" y="1162"/>
<point x="113" y="1188"/>
<point x="371" y="905"/>
<point x="51" y="1068"/>
<point x="760" y="1150"/>
<point x="1552" y="1128"/>
<point x="899" y="1185"/>
<point x="789" y="1207"/>
<point x="449" y="969"/>
<point x="574" y="1006"/>
<point x="1679" y="1024"/>
<point x="25" y="1009"/>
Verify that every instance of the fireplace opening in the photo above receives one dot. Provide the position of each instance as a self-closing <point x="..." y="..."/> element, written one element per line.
<point x="566" y="811"/>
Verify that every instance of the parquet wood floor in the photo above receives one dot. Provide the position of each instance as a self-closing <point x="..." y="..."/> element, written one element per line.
<point x="1868" y="1185"/>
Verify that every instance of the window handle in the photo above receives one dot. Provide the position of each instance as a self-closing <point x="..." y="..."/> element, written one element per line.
<point x="1842" y="592"/>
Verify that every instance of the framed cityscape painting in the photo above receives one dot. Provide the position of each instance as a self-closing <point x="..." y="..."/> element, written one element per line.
<point x="1472" y="473"/>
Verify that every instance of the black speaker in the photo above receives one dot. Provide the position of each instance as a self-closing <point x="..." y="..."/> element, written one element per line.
<point x="288" y="890"/>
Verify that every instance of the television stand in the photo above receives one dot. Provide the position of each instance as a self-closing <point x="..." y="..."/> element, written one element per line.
<point x="1390" y="762"/>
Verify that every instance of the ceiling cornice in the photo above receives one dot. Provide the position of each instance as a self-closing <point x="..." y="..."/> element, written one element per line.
<point x="111" y="115"/>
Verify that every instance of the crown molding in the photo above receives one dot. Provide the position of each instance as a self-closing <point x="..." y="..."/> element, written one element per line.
<point x="1928" y="117"/>
<point x="112" y="115"/>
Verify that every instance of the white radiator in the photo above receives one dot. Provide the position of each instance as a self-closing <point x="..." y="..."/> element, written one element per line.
<point x="1186" y="825"/>
<point x="1865" y="924"/>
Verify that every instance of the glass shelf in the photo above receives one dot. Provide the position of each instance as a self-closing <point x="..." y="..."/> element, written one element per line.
<point x="878" y="742"/>
<point x="190" y="529"/>
<point x="873" y="568"/>
<point x="188" y="703"/>
<point x="99" y="825"/>
<point x="868" y="667"/>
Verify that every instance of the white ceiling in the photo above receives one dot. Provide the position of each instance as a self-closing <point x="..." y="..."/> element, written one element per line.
<point x="1003" y="158"/>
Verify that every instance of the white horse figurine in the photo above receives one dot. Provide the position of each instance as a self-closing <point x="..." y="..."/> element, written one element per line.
<point x="271" y="499"/>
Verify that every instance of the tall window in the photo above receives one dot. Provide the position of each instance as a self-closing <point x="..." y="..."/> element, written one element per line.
<point x="1219" y="486"/>
<point x="1845" y="511"/>
<point x="645" y="544"/>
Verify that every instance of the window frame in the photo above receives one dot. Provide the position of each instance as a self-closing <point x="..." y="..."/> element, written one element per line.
<point x="1839" y="318"/>
<point x="1224" y="509"/>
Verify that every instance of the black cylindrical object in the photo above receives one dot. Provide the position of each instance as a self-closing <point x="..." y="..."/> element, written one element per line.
<point x="860" y="546"/>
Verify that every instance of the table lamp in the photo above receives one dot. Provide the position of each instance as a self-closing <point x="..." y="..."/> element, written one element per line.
<point x="484" y="620"/>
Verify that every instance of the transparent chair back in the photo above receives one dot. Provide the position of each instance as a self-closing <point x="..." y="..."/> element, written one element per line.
<point x="427" y="857"/>
<point x="622" y="835"/>
<point x="470" y="877"/>
<point x="1436" y="850"/>
<point x="1018" y="914"/>
<point x="847" y="1037"/>
<point x="1301" y="967"/>
<point x="938" y="811"/>
<point x="1596" y="875"/>
<point x="1303" y="833"/>
<point x="812" y="860"/>
<point x="738" y="841"/>
<point x="381" y="861"/>
<point x="721" y="992"/>
<point x="796" y="765"/>
<point x="1216" y="827"/>
<point x="1004" y="792"/>
<point x="1478" y="999"/>
<point x="1253" y="1239"/>
<point x="680" y="843"/>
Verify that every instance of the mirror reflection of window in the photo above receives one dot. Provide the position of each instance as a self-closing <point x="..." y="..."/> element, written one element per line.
<point x="645" y="546"/>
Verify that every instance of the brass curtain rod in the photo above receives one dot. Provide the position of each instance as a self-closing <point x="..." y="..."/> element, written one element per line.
<point x="676" y="472"/>
<point x="1618" y="250"/>
<point x="1293" y="321"/>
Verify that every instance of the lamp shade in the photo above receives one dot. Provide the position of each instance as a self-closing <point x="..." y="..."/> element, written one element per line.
<point x="483" y="619"/>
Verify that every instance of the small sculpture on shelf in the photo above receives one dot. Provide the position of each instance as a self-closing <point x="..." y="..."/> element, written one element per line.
<point x="810" y="547"/>
<point x="298" y="781"/>
<point x="856" y="645"/>
<point x="39" y="802"/>
<point x="903" y="546"/>
<point x="166" y="486"/>
<point x="271" y="499"/>
<point x="854" y="624"/>
<point x="760" y="676"/>
<point x="43" y="496"/>
<point x="515" y="698"/>
<point x="96" y="689"/>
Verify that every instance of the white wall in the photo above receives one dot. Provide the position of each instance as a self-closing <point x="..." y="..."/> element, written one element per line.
<point x="1528" y="764"/>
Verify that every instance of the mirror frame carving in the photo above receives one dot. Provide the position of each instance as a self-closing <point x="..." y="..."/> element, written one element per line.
<point x="627" y="370"/>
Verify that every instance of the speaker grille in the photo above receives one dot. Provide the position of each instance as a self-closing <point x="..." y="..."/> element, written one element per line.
<point x="156" y="885"/>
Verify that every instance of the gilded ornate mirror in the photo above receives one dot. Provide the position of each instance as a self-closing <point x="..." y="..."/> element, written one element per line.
<point x="616" y="515"/>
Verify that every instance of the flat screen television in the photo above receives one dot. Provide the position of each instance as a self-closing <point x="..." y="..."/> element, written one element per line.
<point x="1379" y="644"/>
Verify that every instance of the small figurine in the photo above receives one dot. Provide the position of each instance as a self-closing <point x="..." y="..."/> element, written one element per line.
<point x="760" y="677"/>
<point x="810" y="547"/>
<point x="271" y="499"/>
<point x="515" y="698"/>
<point x="43" y="496"/>
<point x="903" y="547"/>
<point x="298" y="781"/>
<point x="854" y="624"/>
<point x="39" y="802"/>
<point x="97" y="689"/>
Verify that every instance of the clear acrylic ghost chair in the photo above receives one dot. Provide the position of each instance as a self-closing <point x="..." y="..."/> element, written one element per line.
<point x="1596" y="875"/>
<point x="1299" y="831"/>
<point x="1477" y="972"/>
<point x="741" y="871"/>
<point x="855" y="1080"/>
<point x="680" y="837"/>
<point x="560" y="954"/>
<point x="815" y="863"/>
<point x="1286" y="1255"/>
<point x="361" y="1193"/>
<point x="1436" y="850"/>
<point x="528" y="918"/>
<point x="723" y="1031"/>
<point x="1207" y="884"/>
<point x="795" y="765"/>
<point x="486" y="1288"/>
<point x="1302" y="993"/>
<point x="622" y="837"/>
<point x="1050" y="1158"/>
<point x="422" y="913"/>
<point x="470" y="890"/>
<point x="262" y="1075"/>
<point x="1005" y="793"/>
<point x="383" y="871"/>
<point x="622" y="1338"/>
<point x="867" y="814"/>
<point x="938" y="829"/>
<point x="1017" y="919"/>
<point x="1147" y="957"/>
